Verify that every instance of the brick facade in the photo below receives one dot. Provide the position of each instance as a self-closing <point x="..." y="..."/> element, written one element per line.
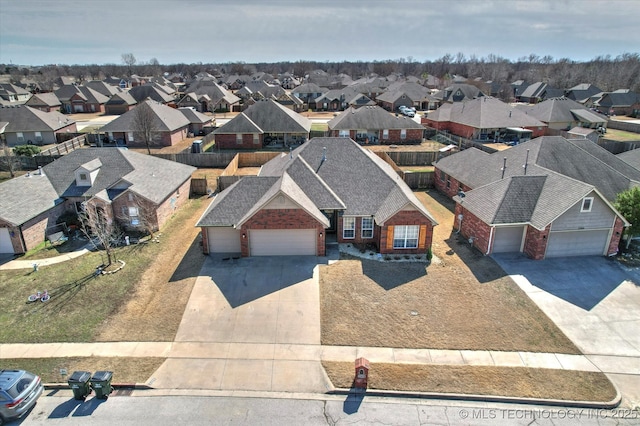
<point x="472" y="228"/>
<point x="618" y="229"/>
<point x="358" y="233"/>
<point x="33" y="232"/>
<point x="535" y="243"/>
<point x="470" y="132"/>
<point x="407" y="217"/>
<point x="229" y="141"/>
<point x="282" y="219"/>
<point x="451" y="188"/>
<point x="394" y="137"/>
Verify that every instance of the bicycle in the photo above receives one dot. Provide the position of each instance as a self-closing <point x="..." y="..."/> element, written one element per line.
<point x="42" y="296"/>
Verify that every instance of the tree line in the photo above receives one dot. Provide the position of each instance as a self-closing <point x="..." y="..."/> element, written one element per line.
<point x="606" y="72"/>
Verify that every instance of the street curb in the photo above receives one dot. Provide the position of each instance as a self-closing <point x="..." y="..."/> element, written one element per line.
<point x="133" y="386"/>
<point x="484" y="398"/>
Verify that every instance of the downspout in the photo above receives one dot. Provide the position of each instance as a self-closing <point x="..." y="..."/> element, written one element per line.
<point x="490" y="241"/>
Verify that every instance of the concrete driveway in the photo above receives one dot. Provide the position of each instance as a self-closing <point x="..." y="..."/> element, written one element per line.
<point x="250" y="324"/>
<point x="596" y="303"/>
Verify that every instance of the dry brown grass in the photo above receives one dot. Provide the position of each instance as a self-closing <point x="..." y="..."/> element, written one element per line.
<point x="125" y="370"/>
<point x="522" y="382"/>
<point x="426" y="145"/>
<point x="464" y="302"/>
<point x="155" y="308"/>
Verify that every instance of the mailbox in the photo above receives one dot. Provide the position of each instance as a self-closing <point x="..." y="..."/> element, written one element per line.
<point x="362" y="373"/>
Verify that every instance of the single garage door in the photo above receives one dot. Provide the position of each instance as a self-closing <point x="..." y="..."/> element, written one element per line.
<point x="577" y="243"/>
<point x="223" y="240"/>
<point x="507" y="239"/>
<point x="282" y="242"/>
<point x="5" y="241"/>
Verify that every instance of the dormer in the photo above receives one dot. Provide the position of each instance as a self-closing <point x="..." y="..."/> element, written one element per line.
<point x="87" y="173"/>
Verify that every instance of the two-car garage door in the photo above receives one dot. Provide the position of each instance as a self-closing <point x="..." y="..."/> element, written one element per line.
<point x="264" y="242"/>
<point x="5" y="241"/>
<point x="578" y="243"/>
<point x="282" y="242"/>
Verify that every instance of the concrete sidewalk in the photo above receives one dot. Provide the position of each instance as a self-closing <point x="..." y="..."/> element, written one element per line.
<point x="28" y="264"/>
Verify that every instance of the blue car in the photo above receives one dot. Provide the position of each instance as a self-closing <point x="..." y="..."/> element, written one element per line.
<point x="19" y="391"/>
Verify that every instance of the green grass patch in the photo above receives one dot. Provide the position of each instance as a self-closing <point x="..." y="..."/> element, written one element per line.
<point x="80" y="301"/>
<point x="621" y="135"/>
<point x="319" y="127"/>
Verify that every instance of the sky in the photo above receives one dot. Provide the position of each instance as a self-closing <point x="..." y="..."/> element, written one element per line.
<point x="38" y="32"/>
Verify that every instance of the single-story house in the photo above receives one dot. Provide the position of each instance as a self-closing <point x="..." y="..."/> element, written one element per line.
<point x="46" y="102"/>
<point x="31" y="126"/>
<point x="197" y="120"/>
<point x="123" y="183"/>
<point x="372" y="124"/>
<point x="326" y="186"/>
<point x="76" y="99"/>
<point x="548" y="197"/>
<point x="563" y="114"/>
<point x="12" y="94"/>
<point x="484" y="119"/>
<point x="120" y="103"/>
<point x="263" y="123"/>
<point x="169" y="125"/>
<point x="219" y="98"/>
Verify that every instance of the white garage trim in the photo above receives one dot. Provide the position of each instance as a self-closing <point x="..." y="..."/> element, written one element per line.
<point x="578" y="243"/>
<point x="223" y="240"/>
<point x="282" y="242"/>
<point x="5" y="241"/>
<point x="508" y="239"/>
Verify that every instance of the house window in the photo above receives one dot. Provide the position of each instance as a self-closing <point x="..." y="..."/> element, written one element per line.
<point x="344" y="133"/>
<point x="256" y="139"/>
<point x="239" y="138"/>
<point x="130" y="135"/>
<point x="38" y="137"/>
<point x="403" y="133"/>
<point x="587" y="203"/>
<point x="83" y="176"/>
<point x="367" y="227"/>
<point x="405" y="236"/>
<point x="20" y="136"/>
<point x="448" y="182"/>
<point x="442" y="175"/>
<point x="133" y="216"/>
<point x="348" y="227"/>
<point x="385" y="134"/>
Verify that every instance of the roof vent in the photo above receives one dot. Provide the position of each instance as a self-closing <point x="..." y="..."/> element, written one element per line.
<point x="509" y="113"/>
<point x="324" y="154"/>
<point x="40" y="172"/>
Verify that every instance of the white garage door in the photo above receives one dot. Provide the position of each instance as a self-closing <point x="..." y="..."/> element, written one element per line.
<point x="5" y="241"/>
<point x="507" y="239"/>
<point x="282" y="242"/>
<point x="577" y="243"/>
<point x="224" y="240"/>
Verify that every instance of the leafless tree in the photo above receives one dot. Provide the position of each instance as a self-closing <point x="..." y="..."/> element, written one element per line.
<point x="8" y="161"/>
<point x="100" y="228"/>
<point x="129" y="60"/>
<point x="140" y="214"/>
<point x="144" y="124"/>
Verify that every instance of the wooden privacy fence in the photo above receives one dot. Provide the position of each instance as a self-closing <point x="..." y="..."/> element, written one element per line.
<point x="624" y="125"/>
<point x="413" y="158"/>
<point x="32" y="163"/>
<point x="418" y="180"/>
<point x="66" y="147"/>
<point x="243" y="159"/>
<point x="199" y="186"/>
<point x="616" y="147"/>
<point x="205" y="159"/>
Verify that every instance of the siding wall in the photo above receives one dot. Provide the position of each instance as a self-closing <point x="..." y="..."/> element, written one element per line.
<point x="599" y="217"/>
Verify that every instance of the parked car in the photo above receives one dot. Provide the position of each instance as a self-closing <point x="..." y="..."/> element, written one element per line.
<point x="19" y="391"/>
<point x="409" y="113"/>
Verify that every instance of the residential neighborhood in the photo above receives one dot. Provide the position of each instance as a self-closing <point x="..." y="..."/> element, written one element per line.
<point x="458" y="236"/>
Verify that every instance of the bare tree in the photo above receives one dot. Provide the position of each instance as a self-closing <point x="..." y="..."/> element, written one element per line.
<point x="129" y="60"/>
<point x="144" y="124"/>
<point x="140" y="214"/>
<point x="8" y="161"/>
<point x="100" y="228"/>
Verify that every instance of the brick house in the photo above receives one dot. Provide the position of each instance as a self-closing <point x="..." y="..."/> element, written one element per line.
<point x="76" y="99"/>
<point x="263" y="123"/>
<point x="46" y="102"/>
<point x="125" y="184"/>
<point x="548" y="197"/>
<point x="372" y="124"/>
<point x="326" y="187"/>
<point x="169" y="126"/>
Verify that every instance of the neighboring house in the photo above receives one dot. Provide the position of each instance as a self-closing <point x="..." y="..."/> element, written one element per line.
<point x="220" y="99"/>
<point x="197" y="120"/>
<point x="538" y="92"/>
<point x="150" y="91"/>
<point x="619" y="102"/>
<point x="102" y="87"/>
<point x="10" y="93"/>
<point x="77" y="99"/>
<point x="308" y="93"/>
<point x="120" y="103"/>
<point x="31" y="126"/>
<point x="459" y="92"/>
<point x="118" y="82"/>
<point x="564" y="114"/>
<point x="326" y="186"/>
<point x="169" y="126"/>
<point x="406" y="94"/>
<point x="584" y="133"/>
<point x="46" y="102"/>
<point x="263" y="123"/>
<point x="124" y="184"/>
<point x="548" y="197"/>
<point x="485" y="119"/>
<point x="288" y="81"/>
<point x="372" y="124"/>
<point x="582" y="92"/>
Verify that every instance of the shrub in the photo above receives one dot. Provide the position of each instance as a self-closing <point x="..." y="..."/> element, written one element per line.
<point x="429" y="254"/>
<point x="26" y="150"/>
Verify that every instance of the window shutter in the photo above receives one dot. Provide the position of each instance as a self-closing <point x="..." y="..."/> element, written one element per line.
<point x="390" y="237"/>
<point x="423" y="236"/>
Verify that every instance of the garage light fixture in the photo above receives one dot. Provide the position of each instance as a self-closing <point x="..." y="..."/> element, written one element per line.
<point x="244" y="235"/>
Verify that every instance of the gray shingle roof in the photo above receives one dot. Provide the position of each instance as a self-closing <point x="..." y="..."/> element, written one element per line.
<point x="238" y="124"/>
<point x="270" y="117"/>
<point x="43" y="99"/>
<point x="194" y="116"/>
<point x="485" y="113"/>
<point x="371" y="118"/>
<point x="25" y="197"/>
<point x="561" y="110"/>
<point x="122" y="98"/>
<point x="22" y="118"/>
<point x="165" y="119"/>
<point x="140" y="93"/>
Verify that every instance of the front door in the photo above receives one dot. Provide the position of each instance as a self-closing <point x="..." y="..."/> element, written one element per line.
<point x="331" y="215"/>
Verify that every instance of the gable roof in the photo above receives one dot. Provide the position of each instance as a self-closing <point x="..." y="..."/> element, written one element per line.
<point x="322" y="174"/>
<point x="24" y="118"/>
<point x="43" y="99"/>
<point x="561" y="110"/>
<point x="267" y="116"/>
<point x="150" y="91"/>
<point x="165" y="119"/>
<point x="580" y="160"/>
<point x="370" y="117"/>
<point x="122" y="98"/>
<point x="194" y="116"/>
<point x="25" y="197"/>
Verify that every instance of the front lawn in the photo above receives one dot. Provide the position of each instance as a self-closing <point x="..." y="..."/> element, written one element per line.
<point x="156" y="281"/>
